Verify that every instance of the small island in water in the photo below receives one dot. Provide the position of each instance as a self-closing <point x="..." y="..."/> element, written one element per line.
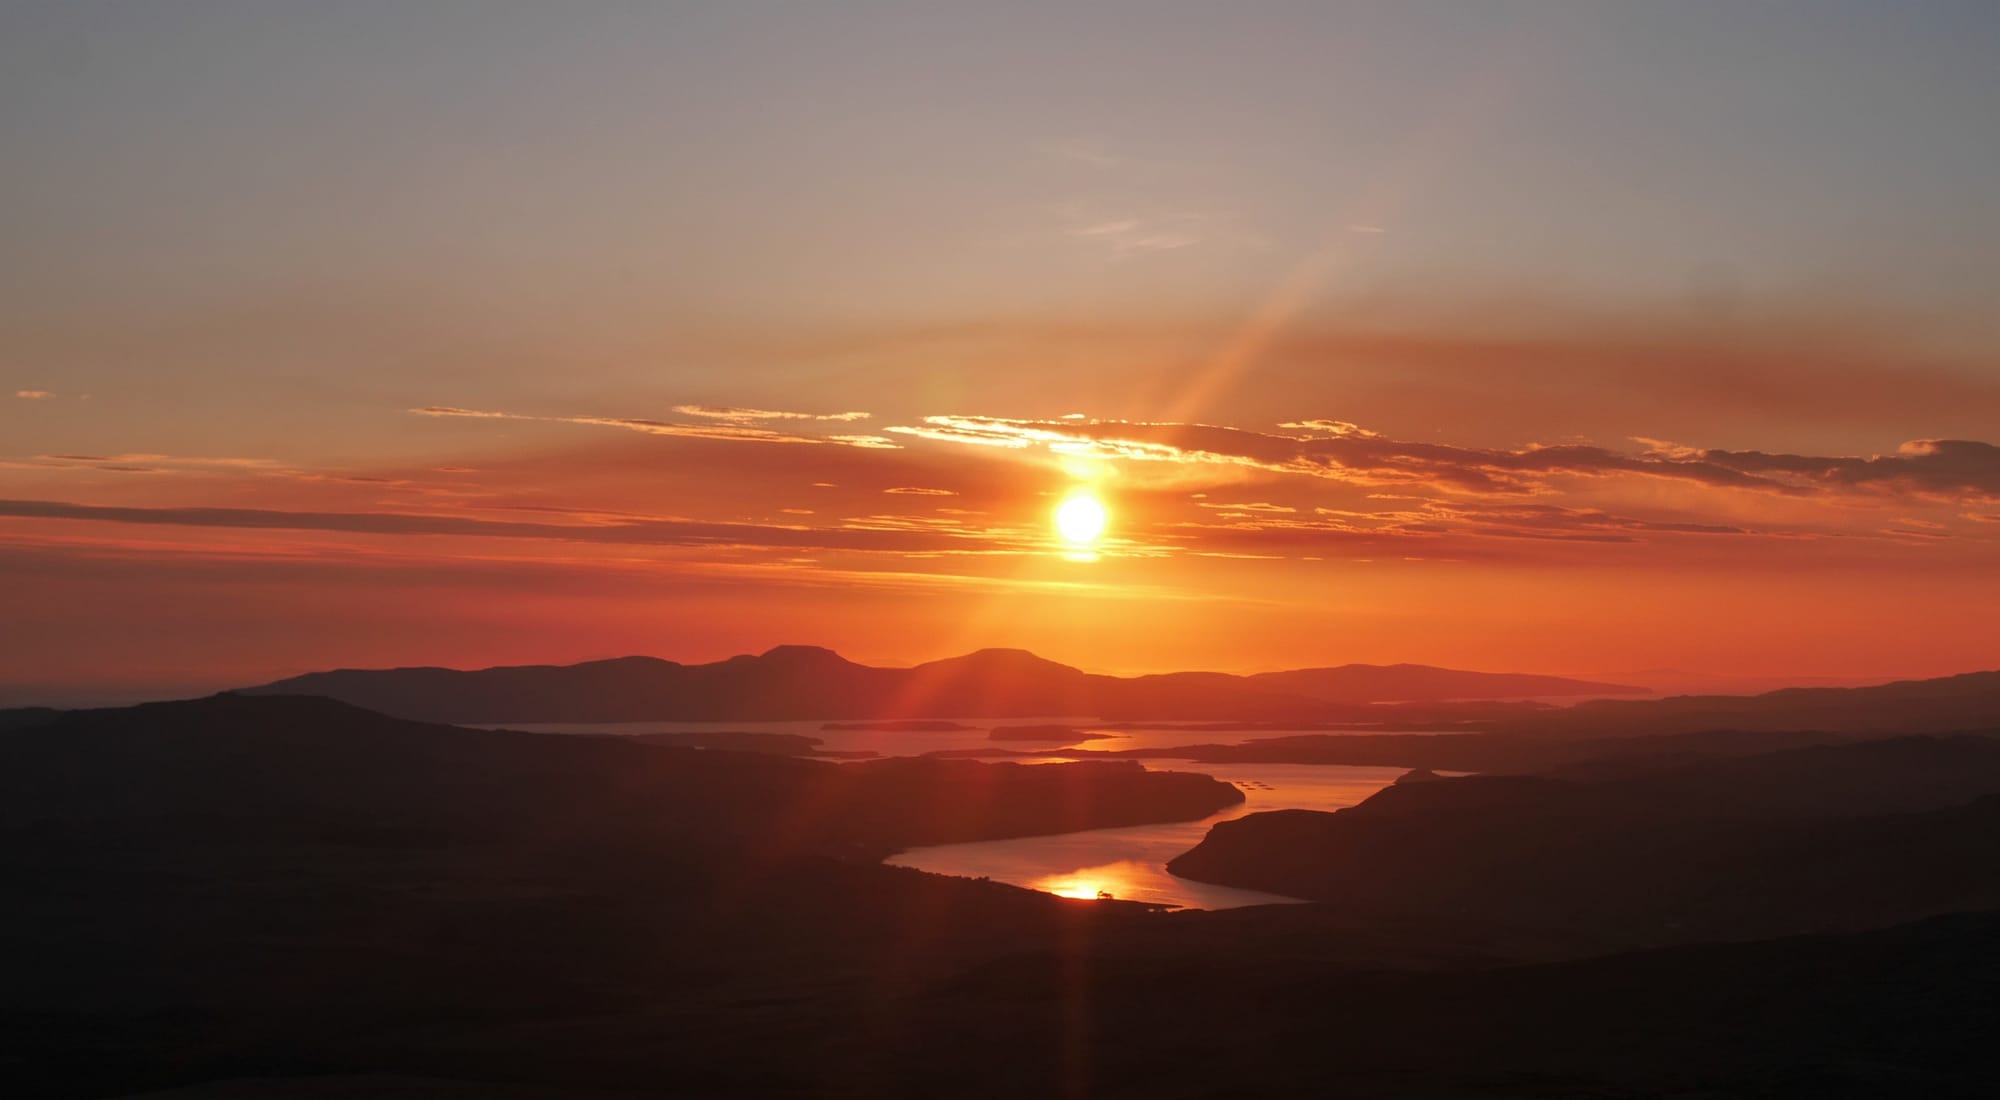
<point x="1066" y="735"/>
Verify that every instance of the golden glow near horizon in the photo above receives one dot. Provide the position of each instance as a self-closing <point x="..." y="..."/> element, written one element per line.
<point x="1082" y="884"/>
<point x="1081" y="519"/>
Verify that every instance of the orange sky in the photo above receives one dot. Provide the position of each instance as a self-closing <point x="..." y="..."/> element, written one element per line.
<point x="537" y="535"/>
<point x="1648" y="342"/>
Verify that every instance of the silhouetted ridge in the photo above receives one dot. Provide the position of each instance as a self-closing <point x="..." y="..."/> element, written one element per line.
<point x="1828" y="837"/>
<point x="1002" y="657"/>
<point x="19" y="718"/>
<point x="791" y="682"/>
<point x="805" y="656"/>
<point x="1358" y="683"/>
<point x="289" y="898"/>
<point x="317" y="760"/>
<point x="1968" y="701"/>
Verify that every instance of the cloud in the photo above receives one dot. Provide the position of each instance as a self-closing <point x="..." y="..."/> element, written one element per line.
<point x="749" y="416"/>
<point x="1345" y="452"/>
<point x="1332" y="427"/>
<point x="1251" y="506"/>
<point x="738" y="429"/>
<point x="1436" y="530"/>
<point x="877" y="534"/>
<point x="1306" y="485"/>
<point x="1549" y="520"/>
<point x="1945" y="468"/>
<point x="1342" y="453"/>
<point x="1535" y="367"/>
<point x="150" y="463"/>
<point x="1158" y="228"/>
<point x="1089" y="153"/>
<point x="33" y="395"/>
<point x="1130" y="235"/>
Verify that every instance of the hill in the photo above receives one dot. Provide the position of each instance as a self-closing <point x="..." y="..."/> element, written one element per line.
<point x="260" y="762"/>
<point x="1970" y="701"/>
<point x="293" y="899"/>
<point x="1825" y="838"/>
<point x="805" y="682"/>
<point x="1425" y="684"/>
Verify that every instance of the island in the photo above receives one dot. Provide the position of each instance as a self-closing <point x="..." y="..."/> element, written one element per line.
<point x="1064" y="735"/>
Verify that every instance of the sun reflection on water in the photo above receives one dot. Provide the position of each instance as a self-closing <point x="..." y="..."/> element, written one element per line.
<point x="1112" y="880"/>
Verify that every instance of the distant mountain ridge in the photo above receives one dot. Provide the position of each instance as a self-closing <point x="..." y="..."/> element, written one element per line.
<point x="1967" y="701"/>
<point x="807" y="682"/>
<point x="1356" y="683"/>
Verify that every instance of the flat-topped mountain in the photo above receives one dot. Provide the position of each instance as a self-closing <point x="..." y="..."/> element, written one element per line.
<point x="807" y="682"/>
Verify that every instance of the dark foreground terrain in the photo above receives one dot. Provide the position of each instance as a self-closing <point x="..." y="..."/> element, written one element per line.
<point x="1827" y="838"/>
<point x="292" y="898"/>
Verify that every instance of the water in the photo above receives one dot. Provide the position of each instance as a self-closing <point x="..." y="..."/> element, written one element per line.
<point x="1128" y="863"/>
<point x="974" y="737"/>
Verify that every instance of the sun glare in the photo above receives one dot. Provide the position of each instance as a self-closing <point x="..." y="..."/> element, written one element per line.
<point x="1080" y="519"/>
<point x="1075" y="885"/>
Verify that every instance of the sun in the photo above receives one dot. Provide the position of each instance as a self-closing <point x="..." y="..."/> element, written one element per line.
<point x="1081" y="518"/>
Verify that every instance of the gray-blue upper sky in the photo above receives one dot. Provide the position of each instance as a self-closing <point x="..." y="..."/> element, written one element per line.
<point x="413" y="198"/>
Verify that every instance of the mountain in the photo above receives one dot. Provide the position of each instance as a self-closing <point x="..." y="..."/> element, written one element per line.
<point x="792" y="683"/>
<point x="1970" y="701"/>
<point x="806" y="682"/>
<point x="1425" y="684"/>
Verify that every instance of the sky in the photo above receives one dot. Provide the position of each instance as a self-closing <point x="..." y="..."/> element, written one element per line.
<point x="1647" y="341"/>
